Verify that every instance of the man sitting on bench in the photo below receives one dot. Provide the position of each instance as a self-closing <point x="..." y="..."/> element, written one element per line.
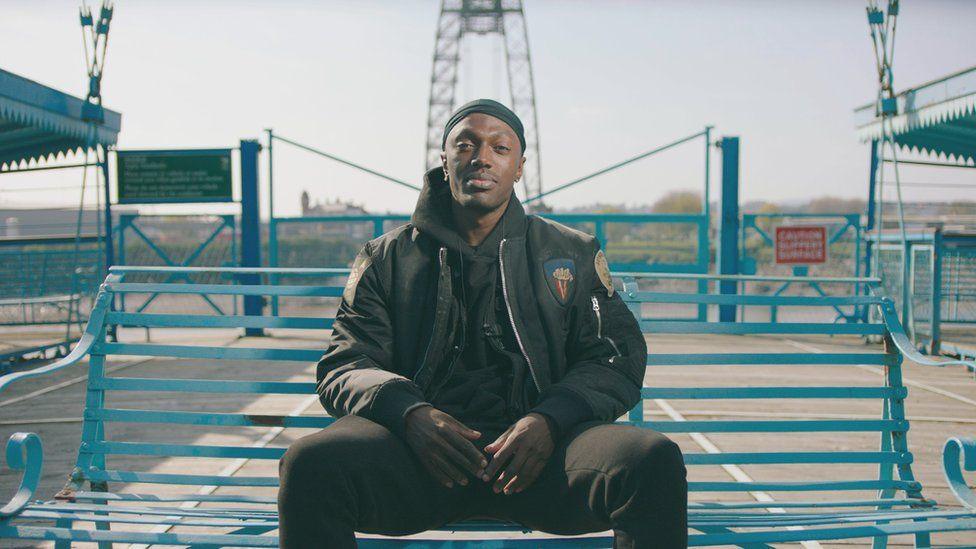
<point x="478" y="360"/>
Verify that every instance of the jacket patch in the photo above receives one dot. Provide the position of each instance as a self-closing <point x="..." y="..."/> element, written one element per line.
<point x="603" y="271"/>
<point x="561" y="278"/>
<point x="355" y="274"/>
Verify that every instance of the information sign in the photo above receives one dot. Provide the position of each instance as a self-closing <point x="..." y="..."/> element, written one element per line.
<point x="157" y="177"/>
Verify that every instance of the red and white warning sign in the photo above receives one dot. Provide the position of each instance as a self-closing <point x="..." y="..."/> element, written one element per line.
<point x="801" y="244"/>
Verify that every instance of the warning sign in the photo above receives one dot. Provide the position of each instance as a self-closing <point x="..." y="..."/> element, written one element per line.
<point x="801" y="245"/>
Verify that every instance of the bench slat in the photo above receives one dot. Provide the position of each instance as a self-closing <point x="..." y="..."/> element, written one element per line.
<point x="812" y="486"/>
<point x="224" y="289"/>
<point x="746" y="458"/>
<point x="741" y="299"/>
<point x="308" y="388"/>
<point x="220" y="353"/>
<point x="203" y="385"/>
<point x="753" y="328"/>
<point x="822" y="534"/>
<point x="171" y="478"/>
<point x="319" y="422"/>
<point x="720" y="486"/>
<point x="181" y="450"/>
<point x="116" y="536"/>
<point x="772" y="392"/>
<point x="152" y="320"/>
<point x="195" y="450"/>
<point x="804" y="426"/>
<point x="313" y="355"/>
<point x="752" y="359"/>
<point x="117" y="518"/>
<point x="208" y="418"/>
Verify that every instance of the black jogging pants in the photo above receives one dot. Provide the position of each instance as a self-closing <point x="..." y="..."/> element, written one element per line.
<point x="357" y="476"/>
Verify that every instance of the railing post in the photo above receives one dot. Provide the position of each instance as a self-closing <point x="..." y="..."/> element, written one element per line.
<point x="109" y="250"/>
<point x="250" y="228"/>
<point x="728" y="252"/>
<point x="936" y="321"/>
<point x="869" y="248"/>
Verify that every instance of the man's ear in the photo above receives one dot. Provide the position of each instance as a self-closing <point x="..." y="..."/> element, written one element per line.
<point x="518" y="173"/>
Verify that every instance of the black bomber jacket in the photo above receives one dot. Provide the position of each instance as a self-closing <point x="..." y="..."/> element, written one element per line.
<point x="396" y="334"/>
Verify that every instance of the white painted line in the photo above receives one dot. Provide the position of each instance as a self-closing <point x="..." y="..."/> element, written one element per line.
<point x="905" y="380"/>
<point x="734" y="471"/>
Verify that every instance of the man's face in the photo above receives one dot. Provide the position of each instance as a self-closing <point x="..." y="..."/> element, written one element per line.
<point x="482" y="159"/>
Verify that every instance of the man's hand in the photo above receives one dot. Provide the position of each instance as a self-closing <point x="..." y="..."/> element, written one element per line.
<point x="444" y="446"/>
<point x="523" y="451"/>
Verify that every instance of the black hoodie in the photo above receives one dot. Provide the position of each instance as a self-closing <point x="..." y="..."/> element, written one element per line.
<point x="484" y="385"/>
<point x="397" y="331"/>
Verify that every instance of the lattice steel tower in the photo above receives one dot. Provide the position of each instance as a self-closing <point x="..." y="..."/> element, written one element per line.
<point x="504" y="17"/>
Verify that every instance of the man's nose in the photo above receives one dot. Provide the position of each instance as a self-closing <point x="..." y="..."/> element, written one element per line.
<point x="482" y="157"/>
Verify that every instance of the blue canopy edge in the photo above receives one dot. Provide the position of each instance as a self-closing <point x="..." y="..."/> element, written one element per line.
<point x="938" y="117"/>
<point x="38" y="122"/>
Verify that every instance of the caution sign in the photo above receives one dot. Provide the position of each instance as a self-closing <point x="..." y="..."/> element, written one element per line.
<point x="173" y="176"/>
<point x="801" y="245"/>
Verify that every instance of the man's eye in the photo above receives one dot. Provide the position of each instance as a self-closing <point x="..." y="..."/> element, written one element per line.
<point x="463" y="146"/>
<point x="501" y="148"/>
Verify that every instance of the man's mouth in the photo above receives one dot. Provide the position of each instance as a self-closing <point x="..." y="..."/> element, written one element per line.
<point x="483" y="182"/>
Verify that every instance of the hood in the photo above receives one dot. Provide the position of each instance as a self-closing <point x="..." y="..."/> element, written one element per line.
<point x="432" y="217"/>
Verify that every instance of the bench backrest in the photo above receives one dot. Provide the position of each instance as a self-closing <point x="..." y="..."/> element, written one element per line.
<point x="865" y="455"/>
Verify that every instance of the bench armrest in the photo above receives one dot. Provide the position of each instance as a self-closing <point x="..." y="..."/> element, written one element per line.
<point x="953" y="472"/>
<point x="24" y="452"/>
<point x="901" y="341"/>
<point x="92" y="334"/>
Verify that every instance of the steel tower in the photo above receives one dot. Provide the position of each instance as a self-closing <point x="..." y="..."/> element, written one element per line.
<point x="504" y="17"/>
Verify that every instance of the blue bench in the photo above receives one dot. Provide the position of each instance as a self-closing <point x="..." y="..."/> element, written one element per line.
<point x="822" y="490"/>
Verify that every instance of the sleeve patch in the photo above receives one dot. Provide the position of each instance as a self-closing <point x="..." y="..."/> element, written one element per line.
<point x="358" y="268"/>
<point x="603" y="271"/>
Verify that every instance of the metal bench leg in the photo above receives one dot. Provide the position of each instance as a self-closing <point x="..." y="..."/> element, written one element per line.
<point x="923" y="540"/>
<point x="63" y="544"/>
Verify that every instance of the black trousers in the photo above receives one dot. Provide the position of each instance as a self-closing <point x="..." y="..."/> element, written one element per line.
<point x="356" y="476"/>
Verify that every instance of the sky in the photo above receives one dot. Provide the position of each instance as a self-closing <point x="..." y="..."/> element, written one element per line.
<point x="612" y="79"/>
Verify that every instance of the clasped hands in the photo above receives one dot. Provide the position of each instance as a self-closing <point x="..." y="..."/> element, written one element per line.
<point x="446" y="448"/>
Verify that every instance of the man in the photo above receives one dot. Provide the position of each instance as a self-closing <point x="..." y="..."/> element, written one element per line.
<point x="477" y="362"/>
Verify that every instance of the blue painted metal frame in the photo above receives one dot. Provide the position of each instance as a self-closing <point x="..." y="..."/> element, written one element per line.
<point x="850" y="222"/>
<point x="128" y="222"/>
<point x="599" y="221"/>
<point x="728" y="251"/>
<point x="822" y="520"/>
<point x="944" y="293"/>
<point x="250" y="226"/>
<point x="41" y="122"/>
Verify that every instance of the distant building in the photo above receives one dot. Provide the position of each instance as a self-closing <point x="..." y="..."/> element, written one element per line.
<point x="358" y="230"/>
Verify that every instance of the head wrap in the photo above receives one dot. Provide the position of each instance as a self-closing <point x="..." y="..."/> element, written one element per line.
<point x="491" y="108"/>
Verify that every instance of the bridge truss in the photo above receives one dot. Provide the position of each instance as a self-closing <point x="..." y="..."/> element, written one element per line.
<point x="503" y="17"/>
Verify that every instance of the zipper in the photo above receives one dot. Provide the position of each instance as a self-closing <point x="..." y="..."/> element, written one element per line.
<point x="511" y="316"/>
<point x="599" y="327"/>
<point x="441" y="258"/>
<point x="459" y="348"/>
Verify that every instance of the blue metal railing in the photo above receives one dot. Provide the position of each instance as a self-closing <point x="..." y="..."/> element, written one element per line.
<point x="683" y="248"/>
<point x="757" y="249"/>
<point x="941" y="282"/>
